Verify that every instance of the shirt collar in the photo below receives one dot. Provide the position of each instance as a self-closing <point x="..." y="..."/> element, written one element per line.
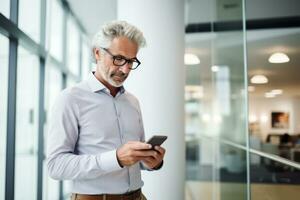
<point x="95" y="85"/>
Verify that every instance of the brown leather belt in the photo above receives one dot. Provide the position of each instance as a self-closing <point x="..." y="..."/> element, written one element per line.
<point x="128" y="196"/>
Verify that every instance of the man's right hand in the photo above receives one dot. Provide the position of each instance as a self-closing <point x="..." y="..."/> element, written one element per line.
<point x="132" y="152"/>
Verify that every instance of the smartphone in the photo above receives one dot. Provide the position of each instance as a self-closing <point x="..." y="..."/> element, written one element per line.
<point x="156" y="140"/>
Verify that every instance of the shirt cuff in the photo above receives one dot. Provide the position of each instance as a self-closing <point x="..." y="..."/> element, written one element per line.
<point x="108" y="161"/>
<point x="159" y="166"/>
<point x="144" y="167"/>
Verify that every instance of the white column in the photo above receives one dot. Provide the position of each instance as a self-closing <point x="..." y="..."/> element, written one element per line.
<point x="159" y="85"/>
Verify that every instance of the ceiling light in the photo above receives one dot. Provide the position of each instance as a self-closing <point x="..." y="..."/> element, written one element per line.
<point x="191" y="59"/>
<point x="259" y="79"/>
<point x="277" y="91"/>
<point x="269" y="95"/>
<point x="215" y="68"/>
<point x="278" y="58"/>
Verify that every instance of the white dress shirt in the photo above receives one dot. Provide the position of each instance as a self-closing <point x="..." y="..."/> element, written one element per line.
<point x="86" y="128"/>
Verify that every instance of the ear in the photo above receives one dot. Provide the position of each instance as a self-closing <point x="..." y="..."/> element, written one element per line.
<point x="97" y="54"/>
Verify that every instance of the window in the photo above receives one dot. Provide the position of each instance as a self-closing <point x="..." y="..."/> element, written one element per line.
<point x="67" y="189"/>
<point x="73" y="39"/>
<point x="86" y="61"/>
<point x="26" y="125"/>
<point x="53" y="86"/>
<point x="54" y="33"/>
<point x="71" y="81"/>
<point x="4" y="8"/>
<point x="29" y="18"/>
<point x="3" y="109"/>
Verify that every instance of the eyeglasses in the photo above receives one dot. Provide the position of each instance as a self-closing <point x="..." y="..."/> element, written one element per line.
<point x="119" y="60"/>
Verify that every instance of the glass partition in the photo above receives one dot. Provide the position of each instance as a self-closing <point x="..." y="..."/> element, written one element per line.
<point x="273" y="180"/>
<point x="199" y="168"/>
<point x="274" y="104"/>
<point x="216" y="103"/>
<point x="274" y="101"/>
<point x="26" y="125"/>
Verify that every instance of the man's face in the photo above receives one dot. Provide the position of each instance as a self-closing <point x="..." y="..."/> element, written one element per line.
<point x="112" y="74"/>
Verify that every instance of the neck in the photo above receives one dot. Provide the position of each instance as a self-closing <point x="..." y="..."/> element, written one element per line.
<point x="113" y="90"/>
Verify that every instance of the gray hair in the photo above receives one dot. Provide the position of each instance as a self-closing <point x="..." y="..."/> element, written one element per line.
<point x="115" y="29"/>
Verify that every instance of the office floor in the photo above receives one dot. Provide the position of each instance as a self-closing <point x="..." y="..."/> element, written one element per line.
<point x="196" y="190"/>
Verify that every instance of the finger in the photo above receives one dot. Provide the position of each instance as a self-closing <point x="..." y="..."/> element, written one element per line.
<point x="139" y="145"/>
<point x="148" y="160"/>
<point x="139" y="158"/>
<point x="143" y="153"/>
<point x="160" y="150"/>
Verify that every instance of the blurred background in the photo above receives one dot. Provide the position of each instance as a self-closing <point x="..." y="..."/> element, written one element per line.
<point x="231" y="69"/>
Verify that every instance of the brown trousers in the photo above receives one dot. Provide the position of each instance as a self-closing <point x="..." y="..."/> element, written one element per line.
<point x="107" y="197"/>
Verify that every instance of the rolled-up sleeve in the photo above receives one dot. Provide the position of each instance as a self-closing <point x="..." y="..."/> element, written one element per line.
<point x="62" y="162"/>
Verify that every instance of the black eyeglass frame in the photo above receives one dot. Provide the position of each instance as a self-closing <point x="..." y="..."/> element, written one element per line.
<point x="129" y="61"/>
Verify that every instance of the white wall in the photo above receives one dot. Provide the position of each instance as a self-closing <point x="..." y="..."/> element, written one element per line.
<point x="262" y="107"/>
<point x="159" y="85"/>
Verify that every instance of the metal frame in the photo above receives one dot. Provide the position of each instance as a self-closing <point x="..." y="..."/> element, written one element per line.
<point x="11" y="120"/>
<point x="283" y="22"/>
<point x="40" y="159"/>
<point x="11" y="110"/>
<point x="246" y="100"/>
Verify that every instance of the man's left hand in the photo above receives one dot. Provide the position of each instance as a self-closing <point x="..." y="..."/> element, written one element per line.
<point x="154" y="161"/>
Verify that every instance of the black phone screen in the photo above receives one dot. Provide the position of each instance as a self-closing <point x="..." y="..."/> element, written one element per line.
<point x="157" y="140"/>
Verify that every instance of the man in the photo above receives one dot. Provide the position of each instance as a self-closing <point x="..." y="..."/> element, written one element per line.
<point x="96" y="136"/>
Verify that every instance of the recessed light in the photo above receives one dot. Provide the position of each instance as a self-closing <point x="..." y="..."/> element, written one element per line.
<point x="259" y="79"/>
<point x="278" y="58"/>
<point x="191" y="59"/>
<point x="277" y="91"/>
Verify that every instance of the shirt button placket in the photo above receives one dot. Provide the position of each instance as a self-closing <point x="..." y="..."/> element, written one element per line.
<point x="119" y="121"/>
